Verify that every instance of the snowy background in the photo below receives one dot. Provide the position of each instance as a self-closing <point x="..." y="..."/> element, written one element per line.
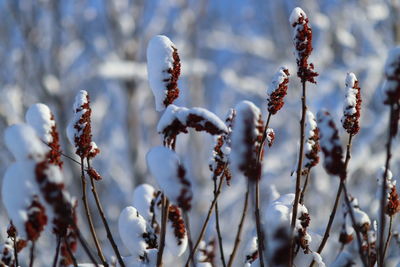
<point x="229" y="50"/>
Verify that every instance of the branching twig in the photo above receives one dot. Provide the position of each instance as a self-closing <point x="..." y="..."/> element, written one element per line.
<point x="103" y="218"/>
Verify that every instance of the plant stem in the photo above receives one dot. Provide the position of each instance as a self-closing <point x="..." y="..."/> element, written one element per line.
<point x="203" y="228"/>
<point x="164" y="219"/>
<point x="299" y="167"/>
<point x="389" y="237"/>
<point x="187" y="222"/>
<point x="57" y="251"/>
<point x="217" y="226"/>
<point x="70" y="253"/>
<point x="15" y="251"/>
<point x="104" y="220"/>
<point x="240" y="227"/>
<point x="32" y="254"/>
<point x="303" y="191"/>
<point x="84" y="244"/>
<point x="89" y="216"/>
<point x="383" y="192"/>
<point x="339" y="192"/>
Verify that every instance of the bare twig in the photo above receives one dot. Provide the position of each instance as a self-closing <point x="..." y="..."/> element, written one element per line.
<point x="32" y="254"/>
<point x="240" y="227"/>
<point x="71" y="255"/>
<point x="57" y="251"/>
<point x="15" y="251"/>
<point x="84" y="244"/>
<point x="164" y="219"/>
<point x="389" y="237"/>
<point x="217" y="226"/>
<point x="104" y="219"/>
<point x="89" y="216"/>
<point x="303" y="191"/>
<point x="187" y="222"/>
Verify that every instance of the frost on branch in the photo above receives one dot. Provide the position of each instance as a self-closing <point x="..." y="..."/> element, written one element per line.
<point x="165" y="166"/>
<point x="176" y="237"/>
<point x="352" y="105"/>
<point x="40" y="118"/>
<point x="220" y="158"/>
<point x="176" y="120"/>
<point x="246" y="140"/>
<point x="163" y="70"/>
<point x="278" y="90"/>
<point x="134" y="234"/>
<point x="391" y="88"/>
<point x="311" y="147"/>
<point x="330" y="145"/>
<point x="79" y="130"/>
<point x="277" y="221"/>
<point x="302" y="40"/>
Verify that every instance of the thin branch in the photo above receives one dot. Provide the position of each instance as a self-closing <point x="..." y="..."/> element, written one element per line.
<point x="299" y="167"/>
<point x="303" y="191"/>
<point x="217" y="226"/>
<point x="32" y="254"/>
<point x="84" y="245"/>
<point x="104" y="219"/>
<point x="164" y="219"/>
<point x="389" y="237"/>
<point x="15" y="251"/>
<point x="384" y="185"/>
<point x="89" y="216"/>
<point x="57" y="251"/>
<point x="71" y="255"/>
<point x="187" y="222"/>
<point x="240" y="227"/>
<point x="203" y="228"/>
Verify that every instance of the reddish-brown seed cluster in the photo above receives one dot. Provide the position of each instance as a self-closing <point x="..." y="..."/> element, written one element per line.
<point x="301" y="238"/>
<point x="368" y="245"/>
<point x="270" y="137"/>
<point x="252" y="257"/>
<point x="277" y="94"/>
<point x="7" y="254"/>
<point x="13" y="234"/>
<point x="185" y="196"/>
<point x="54" y="155"/>
<point x="303" y="46"/>
<point x="172" y="81"/>
<point x="312" y="155"/>
<point x="351" y="123"/>
<point x="37" y="219"/>
<point x="393" y="204"/>
<point x="175" y="217"/>
<point x="93" y="174"/>
<point x="330" y="145"/>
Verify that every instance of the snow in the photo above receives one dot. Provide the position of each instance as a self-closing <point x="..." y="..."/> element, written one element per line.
<point x="318" y="259"/>
<point x="247" y="114"/>
<point x="19" y="180"/>
<point x="132" y="226"/>
<point x="142" y="197"/>
<point x="22" y="141"/>
<point x="164" y="164"/>
<point x="279" y="77"/>
<point x="80" y="99"/>
<point x="172" y="244"/>
<point x="39" y="117"/>
<point x="360" y="216"/>
<point x="159" y="59"/>
<point x="296" y="14"/>
<point x="350" y="101"/>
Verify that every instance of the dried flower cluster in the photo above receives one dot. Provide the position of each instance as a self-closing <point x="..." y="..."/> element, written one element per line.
<point x="302" y="40"/>
<point x="352" y="105"/>
<point x="177" y="223"/>
<point x="278" y="90"/>
<point x="330" y="145"/>
<point x="312" y="146"/>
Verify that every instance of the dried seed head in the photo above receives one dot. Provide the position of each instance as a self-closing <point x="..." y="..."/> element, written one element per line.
<point x="392" y="71"/>
<point x="79" y="130"/>
<point x="330" y="145"/>
<point x="302" y="40"/>
<point x="278" y="90"/>
<point x="163" y="68"/>
<point x="37" y="219"/>
<point x="393" y="204"/>
<point x="312" y="147"/>
<point x="270" y="137"/>
<point x="246" y="140"/>
<point x="352" y="105"/>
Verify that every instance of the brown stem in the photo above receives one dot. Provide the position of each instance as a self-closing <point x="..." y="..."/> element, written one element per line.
<point x="84" y="244"/>
<point x="187" y="222"/>
<point x="32" y="254"/>
<point x="89" y="216"/>
<point x="383" y="192"/>
<point x="164" y="218"/>
<point x="217" y="226"/>
<point x="339" y="192"/>
<point x="15" y="251"/>
<point x="299" y="167"/>
<point x="240" y="227"/>
<point x="71" y="254"/>
<point x="57" y="251"/>
<point x="103" y="218"/>
<point x="389" y="237"/>
<point x="303" y="191"/>
<point x="203" y="228"/>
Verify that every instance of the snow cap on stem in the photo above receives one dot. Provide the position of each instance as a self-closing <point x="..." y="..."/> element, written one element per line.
<point x="163" y="70"/>
<point x="165" y="166"/>
<point x="302" y="40"/>
<point x="246" y="140"/>
<point x="352" y="105"/>
<point x="330" y="145"/>
<point x="278" y="90"/>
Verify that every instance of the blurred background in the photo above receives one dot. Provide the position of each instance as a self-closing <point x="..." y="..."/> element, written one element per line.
<point x="229" y="49"/>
